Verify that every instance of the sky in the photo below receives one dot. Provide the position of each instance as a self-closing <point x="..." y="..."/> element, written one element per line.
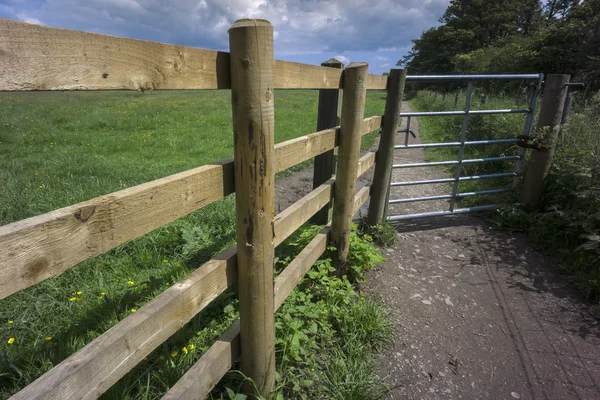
<point x="310" y="31"/>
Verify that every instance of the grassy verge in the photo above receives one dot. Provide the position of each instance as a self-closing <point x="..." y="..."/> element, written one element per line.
<point x="57" y="149"/>
<point x="567" y="223"/>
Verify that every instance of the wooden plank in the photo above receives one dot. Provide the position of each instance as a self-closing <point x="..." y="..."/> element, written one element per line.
<point x="204" y="375"/>
<point x="251" y="44"/>
<point x="352" y="123"/>
<point x="45" y="246"/>
<point x="365" y="162"/>
<point x="295" y="151"/>
<point x="385" y="153"/>
<point x="35" y="57"/>
<point x="119" y="349"/>
<point x="377" y="82"/>
<point x="293" y="75"/>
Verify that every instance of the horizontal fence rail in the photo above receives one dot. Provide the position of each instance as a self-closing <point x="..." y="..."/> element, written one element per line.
<point x="47" y="245"/>
<point x="450" y="180"/>
<point x="458" y="113"/>
<point x="37" y="57"/>
<point x="465" y="210"/>
<point x="447" y="196"/>
<point x="456" y="162"/>
<point x="433" y="78"/>
<point x="455" y="144"/>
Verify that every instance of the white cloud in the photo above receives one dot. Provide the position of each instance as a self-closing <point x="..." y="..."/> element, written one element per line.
<point x="343" y="59"/>
<point x="385" y="66"/>
<point x="29" y="20"/>
<point x="381" y="58"/>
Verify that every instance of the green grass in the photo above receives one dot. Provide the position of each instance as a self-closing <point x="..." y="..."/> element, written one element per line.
<point x="58" y="149"/>
<point x="567" y="223"/>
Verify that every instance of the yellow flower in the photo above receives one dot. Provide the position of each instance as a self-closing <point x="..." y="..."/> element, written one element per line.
<point x="185" y="350"/>
<point x="165" y="261"/>
<point x="11" y="340"/>
<point x="41" y="186"/>
<point x="10" y="321"/>
<point x="79" y="293"/>
<point x="102" y="293"/>
<point x="191" y="346"/>
<point x="130" y="283"/>
<point x="145" y="358"/>
<point x="48" y="338"/>
<point x="174" y="353"/>
<point x="73" y="299"/>
<point x="133" y="310"/>
<point x="162" y="357"/>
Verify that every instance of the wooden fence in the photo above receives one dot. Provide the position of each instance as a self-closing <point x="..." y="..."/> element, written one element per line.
<point x="40" y="58"/>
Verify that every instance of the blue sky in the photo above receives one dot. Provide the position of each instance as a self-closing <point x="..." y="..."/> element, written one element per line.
<point x="310" y="31"/>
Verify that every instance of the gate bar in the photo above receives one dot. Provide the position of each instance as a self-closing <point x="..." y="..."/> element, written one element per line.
<point x="455" y="162"/>
<point x="442" y="213"/>
<point x="451" y="144"/>
<point x="471" y="77"/>
<point x="461" y="179"/>
<point x="463" y="139"/>
<point x="472" y="112"/>
<point x="447" y="196"/>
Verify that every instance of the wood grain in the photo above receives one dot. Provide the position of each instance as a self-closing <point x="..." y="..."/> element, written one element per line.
<point x="365" y="162"/>
<point x="47" y="245"/>
<point x="351" y="128"/>
<point x="35" y="57"/>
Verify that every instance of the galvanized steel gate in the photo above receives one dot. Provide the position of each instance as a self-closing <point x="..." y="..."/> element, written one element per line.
<point x="462" y="143"/>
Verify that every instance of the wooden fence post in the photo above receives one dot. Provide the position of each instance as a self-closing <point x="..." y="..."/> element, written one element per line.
<point x="328" y="117"/>
<point x="251" y="46"/>
<point x="385" y="152"/>
<point x="353" y="111"/>
<point x="555" y="92"/>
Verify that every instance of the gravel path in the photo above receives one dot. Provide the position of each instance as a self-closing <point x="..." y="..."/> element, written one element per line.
<point x="479" y="313"/>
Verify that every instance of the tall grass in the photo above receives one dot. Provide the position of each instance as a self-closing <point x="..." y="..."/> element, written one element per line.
<point x="567" y="223"/>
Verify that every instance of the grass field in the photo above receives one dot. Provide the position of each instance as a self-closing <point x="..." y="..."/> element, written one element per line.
<point x="58" y="149"/>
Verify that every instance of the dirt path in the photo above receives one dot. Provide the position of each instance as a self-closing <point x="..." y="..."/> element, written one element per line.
<point x="478" y="313"/>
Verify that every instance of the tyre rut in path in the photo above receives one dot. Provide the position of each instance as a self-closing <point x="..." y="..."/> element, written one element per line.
<point x="478" y="313"/>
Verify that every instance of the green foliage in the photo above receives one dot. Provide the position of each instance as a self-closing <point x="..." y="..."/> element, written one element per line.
<point x="382" y="234"/>
<point x="568" y="221"/>
<point x="327" y="330"/>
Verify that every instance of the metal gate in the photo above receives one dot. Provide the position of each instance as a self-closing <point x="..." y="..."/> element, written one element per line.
<point x="461" y="144"/>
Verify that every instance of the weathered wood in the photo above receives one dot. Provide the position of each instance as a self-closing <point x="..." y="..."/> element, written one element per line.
<point x="353" y="108"/>
<point x="548" y="127"/>
<point x="112" y="355"/>
<point x="204" y="375"/>
<point x="328" y="116"/>
<point x="251" y="45"/>
<point x="564" y="120"/>
<point x="295" y="151"/>
<point x="35" y="57"/>
<point x="385" y="152"/>
<point x="365" y="162"/>
<point x="47" y="245"/>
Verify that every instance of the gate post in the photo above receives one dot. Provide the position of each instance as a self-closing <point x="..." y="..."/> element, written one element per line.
<point x="385" y="152"/>
<point x="251" y="46"/>
<point x="328" y="117"/>
<point x="555" y="92"/>
<point x="353" y="111"/>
